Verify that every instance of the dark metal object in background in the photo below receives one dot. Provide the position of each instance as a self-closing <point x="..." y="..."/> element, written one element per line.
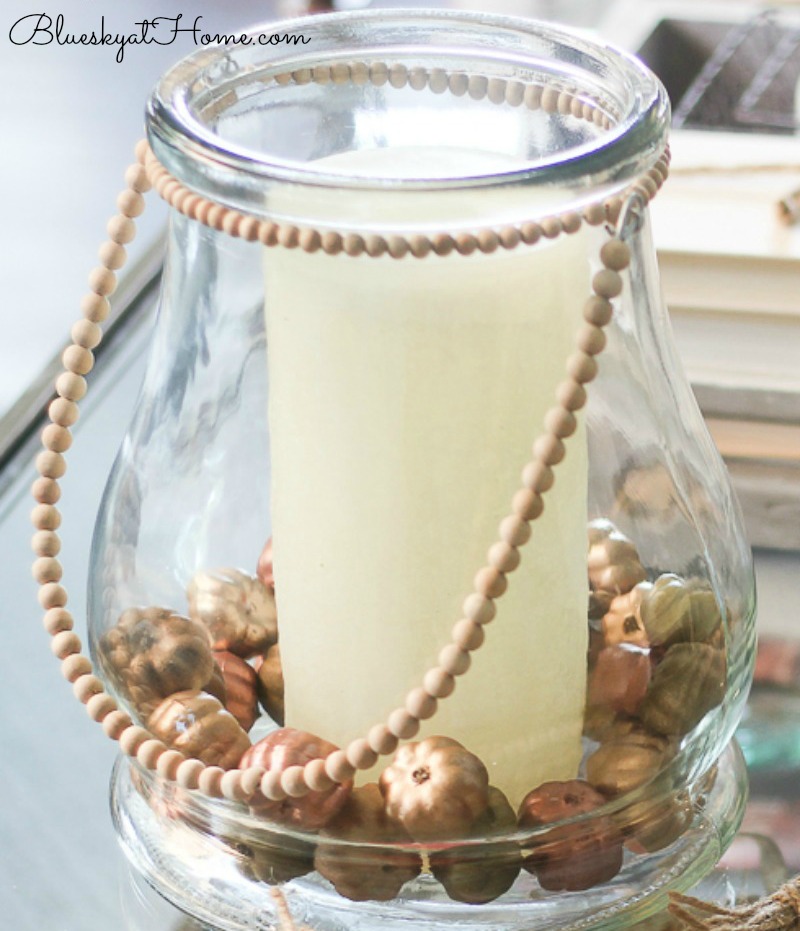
<point x="739" y="77"/>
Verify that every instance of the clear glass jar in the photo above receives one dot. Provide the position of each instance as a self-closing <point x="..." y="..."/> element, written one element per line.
<point x="369" y="416"/>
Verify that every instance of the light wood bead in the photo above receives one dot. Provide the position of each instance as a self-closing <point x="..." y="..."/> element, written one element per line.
<point x="591" y="339"/>
<point x="75" y="666"/>
<point x="598" y="311"/>
<point x="477" y="86"/>
<point x="65" y="642"/>
<point x="514" y="531"/>
<point x="136" y="179"/>
<point x="576" y="108"/>
<point x="533" y="96"/>
<point x="397" y="247"/>
<point x="130" y="203"/>
<point x="293" y="782"/>
<point x="537" y="476"/>
<point x="360" y="754"/>
<point x="359" y="73"/>
<point x="439" y="683"/>
<point x="271" y="786"/>
<point x="231" y="785"/>
<point x="581" y="367"/>
<point x="340" y="72"/>
<point x="231" y="223"/>
<point x="317" y="779"/>
<point x="531" y="233"/>
<point x="102" y="281"/>
<point x="420" y="246"/>
<point x="289" y="237"/>
<point x="418" y="79"/>
<point x="467" y="636"/>
<point x="550" y="450"/>
<point x="503" y="557"/>
<point x="310" y="240"/>
<point x="613" y="208"/>
<point x="421" y="705"/>
<point x="514" y="93"/>
<point x="550" y="99"/>
<point x="376" y="245"/>
<point x="552" y="227"/>
<point x="496" y="90"/>
<point x="459" y="84"/>
<point x="51" y="464"/>
<point x="53" y="595"/>
<point x="478" y="608"/>
<point x="510" y="237"/>
<point x="45" y="517"/>
<point x="527" y="504"/>
<point x="560" y="422"/>
<point x="466" y="243"/>
<point x="398" y="75"/>
<point x="248" y="229"/>
<point x="490" y="582"/>
<point x="168" y="763"/>
<point x="188" y="774"/>
<point x="402" y="724"/>
<point x="63" y="412"/>
<point x="132" y="738"/>
<point x="571" y="395"/>
<point x="216" y="216"/>
<point x="571" y="222"/>
<point x="121" y="230"/>
<point x="251" y="780"/>
<point x="338" y="767"/>
<point x="100" y="705"/>
<point x="488" y="241"/>
<point x="46" y="542"/>
<point x="381" y="739"/>
<point x="454" y="660"/>
<point x="353" y="244"/>
<point x="56" y="438"/>
<point x="46" y="490"/>
<point x="115" y="723"/>
<point x="437" y="80"/>
<point x="57" y="620"/>
<point x="615" y="255"/>
<point x="284" y="79"/>
<point x="47" y="569"/>
<point x="564" y="105"/>
<point x="210" y="781"/>
<point x="112" y="255"/>
<point x="86" y="686"/>
<point x="149" y="751"/>
<point x="77" y="359"/>
<point x="649" y="187"/>
<point x="331" y="243"/>
<point x="70" y="386"/>
<point x="379" y="73"/>
<point x="443" y="244"/>
<point x="594" y="214"/>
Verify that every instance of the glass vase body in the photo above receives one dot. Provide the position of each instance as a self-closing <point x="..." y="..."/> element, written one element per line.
<point x="370" y="414"/>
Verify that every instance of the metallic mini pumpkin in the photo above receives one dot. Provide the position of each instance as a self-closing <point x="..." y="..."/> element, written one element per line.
<point x="435" y="788"/>
<point x="291" y="747"/>
<point x="151" y="653"/>
<point x="196" y="724"/>
<point x="237" y="609"/>
<point x="366" y="872"/>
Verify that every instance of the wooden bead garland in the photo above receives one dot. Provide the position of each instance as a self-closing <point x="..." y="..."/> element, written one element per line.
<point x="503" y="557"/>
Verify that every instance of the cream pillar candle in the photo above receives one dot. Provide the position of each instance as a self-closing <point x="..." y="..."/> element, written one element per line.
<point x="404" y="397"/>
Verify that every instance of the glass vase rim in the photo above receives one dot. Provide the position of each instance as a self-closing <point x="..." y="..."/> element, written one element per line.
<point x="623" y="151"/>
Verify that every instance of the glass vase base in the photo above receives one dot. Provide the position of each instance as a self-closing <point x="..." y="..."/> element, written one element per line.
<point x="201" y="874"/>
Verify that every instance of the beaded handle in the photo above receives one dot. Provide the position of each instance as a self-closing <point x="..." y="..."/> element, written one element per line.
<point x="527" y="505"/>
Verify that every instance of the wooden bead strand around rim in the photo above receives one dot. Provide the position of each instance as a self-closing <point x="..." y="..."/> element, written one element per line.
<point x="503" y="556"/>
